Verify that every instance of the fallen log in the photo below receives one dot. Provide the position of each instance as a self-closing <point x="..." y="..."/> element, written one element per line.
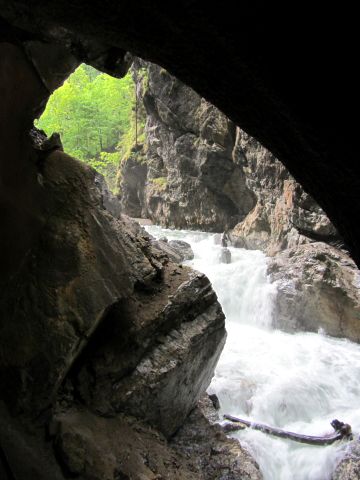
<point x="342" y="431"/>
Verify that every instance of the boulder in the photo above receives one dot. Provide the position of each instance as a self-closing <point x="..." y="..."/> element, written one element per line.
<point x="156" y="363"/>
<point x="97" y="314"/>
<point x="318" y="287"/>
<point x="97" y="448"/>
<point x="178" y="251"/>
<point x="183" y="248"/>
<point x="163" y="245"/>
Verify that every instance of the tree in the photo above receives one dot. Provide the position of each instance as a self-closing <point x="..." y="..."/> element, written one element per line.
<point x="92" y="112"/>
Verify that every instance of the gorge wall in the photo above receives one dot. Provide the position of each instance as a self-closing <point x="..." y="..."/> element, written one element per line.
<point x="104" y="349"/>
<point x="186" y="140"/>
<point x="289" y="103"/>
<point x="272" y="95"/>
<point x="198" y="171"/>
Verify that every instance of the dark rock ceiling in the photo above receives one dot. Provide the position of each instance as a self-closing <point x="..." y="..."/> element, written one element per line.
<point x="283" y="72"/>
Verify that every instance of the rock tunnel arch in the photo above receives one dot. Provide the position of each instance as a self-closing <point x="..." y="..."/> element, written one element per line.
<point x="261" y="93"/>
<point x="288" y="101"/>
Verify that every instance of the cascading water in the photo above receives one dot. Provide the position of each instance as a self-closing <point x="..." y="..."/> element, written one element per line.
<point x="299" y="382"/>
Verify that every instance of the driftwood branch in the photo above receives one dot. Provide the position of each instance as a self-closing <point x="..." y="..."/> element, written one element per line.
<point x="342" y="431"/>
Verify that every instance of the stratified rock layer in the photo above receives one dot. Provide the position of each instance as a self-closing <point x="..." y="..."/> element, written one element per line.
<point x="78" y="277"/>
<point x="157" y="353"/>
<point x="98" y="314"/>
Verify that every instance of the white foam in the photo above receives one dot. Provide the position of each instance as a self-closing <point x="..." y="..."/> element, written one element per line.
<point x="298" y="382"/>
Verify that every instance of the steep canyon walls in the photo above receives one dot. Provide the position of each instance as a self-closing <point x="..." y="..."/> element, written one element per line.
<point x="198" y="171"/>
<point x="104" y="349"/>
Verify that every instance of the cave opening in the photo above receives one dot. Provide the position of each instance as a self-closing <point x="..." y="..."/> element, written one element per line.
<point x="177" y="184"/>
<point x="65" y="260"/>
<point x="94" y="114"/>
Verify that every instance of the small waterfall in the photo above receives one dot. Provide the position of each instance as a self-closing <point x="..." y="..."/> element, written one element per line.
<point x="299" y="382"/>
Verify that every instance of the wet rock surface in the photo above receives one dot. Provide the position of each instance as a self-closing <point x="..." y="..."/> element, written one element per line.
<point x="225" y="255"/>
<point x="318" y="286"/>
<point x="349" y="466"/>
<point x="177" y="250"/>
<point x="216" y="456"/>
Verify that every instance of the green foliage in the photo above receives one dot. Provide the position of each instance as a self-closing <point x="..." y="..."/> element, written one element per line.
<point x="107" y="164"/>
<point x="160" y="183"/>
<point x="93" y="113"/>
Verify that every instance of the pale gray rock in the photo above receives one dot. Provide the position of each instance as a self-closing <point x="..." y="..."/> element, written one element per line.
<point x="348" y="467"/>
<point x="203" y="173"/>
<point x="183" y="248"/>
<point x="187" y="139"/>
<point x="317" y="288"/>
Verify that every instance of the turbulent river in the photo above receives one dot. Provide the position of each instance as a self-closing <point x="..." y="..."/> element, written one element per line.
<point x="299" y="382"/>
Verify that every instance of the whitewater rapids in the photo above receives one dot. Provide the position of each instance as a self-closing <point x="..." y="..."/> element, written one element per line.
<point x="298" y="382"/>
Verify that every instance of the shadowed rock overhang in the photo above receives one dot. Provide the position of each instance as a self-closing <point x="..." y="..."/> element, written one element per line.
<point x="280" y="71"/>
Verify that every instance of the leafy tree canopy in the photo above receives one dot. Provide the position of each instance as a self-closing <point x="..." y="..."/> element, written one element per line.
<point x="93" y="113"/>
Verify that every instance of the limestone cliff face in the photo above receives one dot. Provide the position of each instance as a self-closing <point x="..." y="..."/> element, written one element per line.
<point x="192" y="180"/>
<point x="284" y="215"/>
<point x="204" y="173"/>
<point x="195" y="157"/>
